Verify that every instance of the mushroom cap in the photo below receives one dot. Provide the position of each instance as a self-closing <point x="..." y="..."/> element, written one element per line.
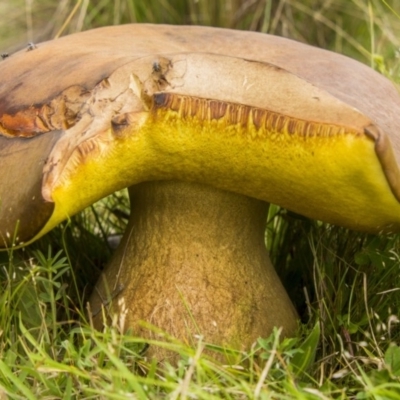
<point x="93" y="112"/>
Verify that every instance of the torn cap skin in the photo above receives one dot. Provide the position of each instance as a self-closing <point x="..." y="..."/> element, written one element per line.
<point x="242" y="113"/>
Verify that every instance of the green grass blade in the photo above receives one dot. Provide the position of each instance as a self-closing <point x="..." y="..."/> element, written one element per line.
<point x="13" y="378"/>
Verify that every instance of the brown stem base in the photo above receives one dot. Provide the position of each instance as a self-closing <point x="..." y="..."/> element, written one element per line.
<point x="193" y="261"/>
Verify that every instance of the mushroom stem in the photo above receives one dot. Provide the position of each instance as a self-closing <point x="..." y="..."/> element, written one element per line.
<point x="193" y="261"/>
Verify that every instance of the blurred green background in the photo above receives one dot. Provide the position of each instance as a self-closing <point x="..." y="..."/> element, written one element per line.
<point x="368" y="30"/>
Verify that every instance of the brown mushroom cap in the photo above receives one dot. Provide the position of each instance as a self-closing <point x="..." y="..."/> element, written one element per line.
<point x="256" y="114"/>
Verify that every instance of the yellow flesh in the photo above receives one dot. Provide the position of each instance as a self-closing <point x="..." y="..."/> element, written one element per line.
<point x="323" y="177"/>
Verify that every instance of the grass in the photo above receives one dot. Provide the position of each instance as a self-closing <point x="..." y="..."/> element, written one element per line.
<point x="346" y="285"/>
<point x="347" y="347"/>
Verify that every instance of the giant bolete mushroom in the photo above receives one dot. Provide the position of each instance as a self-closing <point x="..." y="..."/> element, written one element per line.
<point x="205" y="126"/>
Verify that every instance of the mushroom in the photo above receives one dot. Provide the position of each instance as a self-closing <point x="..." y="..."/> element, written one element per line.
<point x="205" y="126"/>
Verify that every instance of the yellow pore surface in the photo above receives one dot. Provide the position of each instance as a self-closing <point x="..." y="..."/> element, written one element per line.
<point x="324" y="172"/>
